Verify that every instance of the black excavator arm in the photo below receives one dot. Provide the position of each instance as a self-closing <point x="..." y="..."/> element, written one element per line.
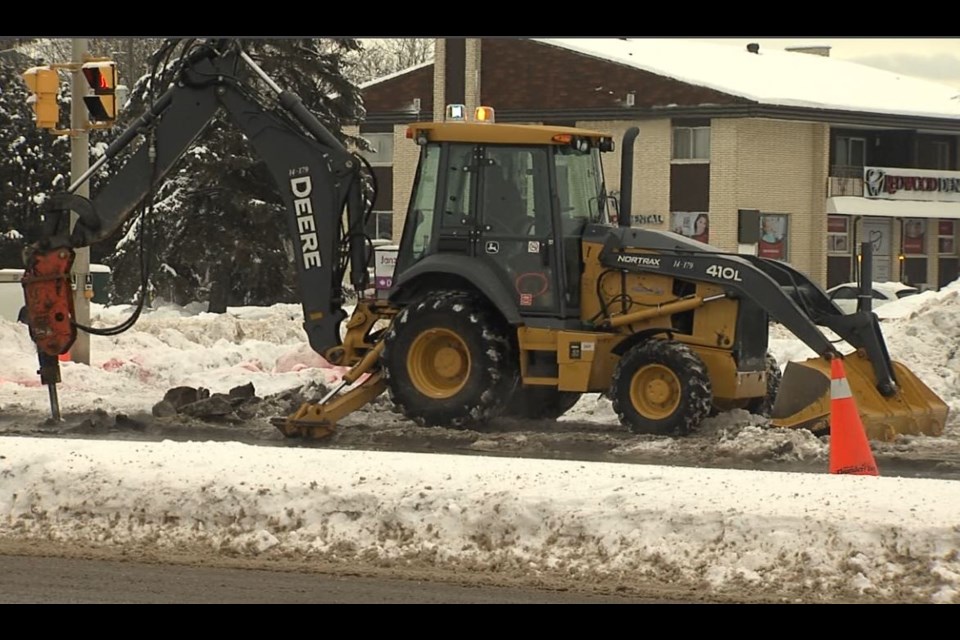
<point x="318" y="179"/>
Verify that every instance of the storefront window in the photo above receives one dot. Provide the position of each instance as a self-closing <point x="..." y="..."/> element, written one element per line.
<point x="946" y="238"/>
<point x="839" y="244"/>
<point x="914" y="236"/>
<point x="838" y="235"/>
<point x="913" y="251"/>
<point x="948" y="267"/>
<point x="878" y="231"/>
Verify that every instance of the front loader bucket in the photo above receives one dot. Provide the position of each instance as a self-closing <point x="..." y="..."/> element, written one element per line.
<point x="803" y="400"/>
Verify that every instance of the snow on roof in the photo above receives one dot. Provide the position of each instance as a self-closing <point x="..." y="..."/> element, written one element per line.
<point x="775" y="77"/>
<point x="395" y="74"/>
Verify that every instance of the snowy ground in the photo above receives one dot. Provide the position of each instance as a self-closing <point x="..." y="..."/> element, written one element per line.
<point x="721" y="512"/>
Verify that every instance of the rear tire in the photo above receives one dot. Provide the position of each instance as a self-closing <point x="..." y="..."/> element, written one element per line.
<point x="661" y="387"/>
<point x="764" y="406"/>
<point x="540" y="403"/>
<point x="448" y="362"/>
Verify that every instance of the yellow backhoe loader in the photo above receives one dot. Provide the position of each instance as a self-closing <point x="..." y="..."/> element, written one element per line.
<point x="517" y="286"/>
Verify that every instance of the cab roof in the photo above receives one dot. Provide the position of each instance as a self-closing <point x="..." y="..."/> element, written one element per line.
<point x="497" y="133"/>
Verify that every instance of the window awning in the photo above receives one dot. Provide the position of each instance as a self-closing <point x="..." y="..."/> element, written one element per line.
<point x="853" y="206"/>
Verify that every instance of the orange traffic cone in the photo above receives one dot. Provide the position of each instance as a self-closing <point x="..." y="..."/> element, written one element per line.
<point x="849" y="448"/>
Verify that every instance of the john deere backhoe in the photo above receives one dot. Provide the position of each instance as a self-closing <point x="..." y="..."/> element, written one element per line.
<point x="518" y="283"/>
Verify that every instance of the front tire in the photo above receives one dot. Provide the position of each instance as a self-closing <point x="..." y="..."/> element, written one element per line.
<point x="661" y="387"/>
<point x="448" y="362"/>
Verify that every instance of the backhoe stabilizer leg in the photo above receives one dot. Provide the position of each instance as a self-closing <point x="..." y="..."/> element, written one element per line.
<point x="317" y="420"/>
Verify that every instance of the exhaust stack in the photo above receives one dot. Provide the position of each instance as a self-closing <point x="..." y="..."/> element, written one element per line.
<point x="626" y="176"/>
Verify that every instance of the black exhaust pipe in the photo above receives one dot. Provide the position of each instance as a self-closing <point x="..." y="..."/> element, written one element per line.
<point x="865" y="294"/>
<point x="626" y="176"/>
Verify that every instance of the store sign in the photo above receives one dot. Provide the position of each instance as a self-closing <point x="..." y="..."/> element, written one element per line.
<point x="911" y="184"/>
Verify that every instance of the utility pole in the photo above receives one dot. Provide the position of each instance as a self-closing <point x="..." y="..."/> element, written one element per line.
<point x="79" y="163"/>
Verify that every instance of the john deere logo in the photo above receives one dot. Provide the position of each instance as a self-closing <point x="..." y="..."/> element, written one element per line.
<point x="492" y="246"/>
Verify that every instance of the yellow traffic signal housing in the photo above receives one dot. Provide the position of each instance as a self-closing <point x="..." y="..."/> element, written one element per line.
<point x="44" y="84"/>
<point x="102" y="78"/>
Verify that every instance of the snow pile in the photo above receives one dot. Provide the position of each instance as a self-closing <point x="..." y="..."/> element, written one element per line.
<point x="718" y="531"/>
<point x="923" y="332"/>
<point x="168" y="347"/>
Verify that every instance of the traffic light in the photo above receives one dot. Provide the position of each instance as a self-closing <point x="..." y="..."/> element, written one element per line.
<point x="102" y="78"/>
<point x="44" y="84"/>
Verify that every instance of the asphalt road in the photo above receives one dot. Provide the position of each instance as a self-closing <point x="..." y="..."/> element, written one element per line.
<point x="57" y="580"/>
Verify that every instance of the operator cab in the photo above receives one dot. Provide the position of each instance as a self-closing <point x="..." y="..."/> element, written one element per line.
<point x="517" y="198"/>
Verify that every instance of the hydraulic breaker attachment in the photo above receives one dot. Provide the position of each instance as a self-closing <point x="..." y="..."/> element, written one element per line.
<point x="49" y="300"/>
<point x="317" y="420"/>
<point x="911" y="408"/>
<point x="50" y="312"/>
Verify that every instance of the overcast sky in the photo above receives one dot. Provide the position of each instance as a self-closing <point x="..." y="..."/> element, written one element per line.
<point x="935" y="59"/>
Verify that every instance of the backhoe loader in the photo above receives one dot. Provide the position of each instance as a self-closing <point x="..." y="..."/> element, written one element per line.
<point x="518" y="284"/>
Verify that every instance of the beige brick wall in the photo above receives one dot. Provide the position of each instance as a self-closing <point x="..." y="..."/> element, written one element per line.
<point x="651" y="170"/>
<point x="472" y="74"/>
<point x="405" y="156"/>
<point x="439" y="77"/>
<point x="775" y="166"/>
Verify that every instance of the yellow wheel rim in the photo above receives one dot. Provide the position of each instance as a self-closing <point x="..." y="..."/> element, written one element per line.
<point x="439" y="363"/>
<point x="655" y="391"/>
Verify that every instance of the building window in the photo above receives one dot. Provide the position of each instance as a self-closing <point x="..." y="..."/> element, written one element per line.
<point x="380" y="225"/>
<point x="691" y="143"/>
<point x="941" y="155"/>
<point x="851" y="156"/>
<point x="381" y="144"/>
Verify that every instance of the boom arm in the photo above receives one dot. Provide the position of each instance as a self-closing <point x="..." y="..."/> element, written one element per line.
<point x="317" y="177"/>
<point x="781" y="291"/>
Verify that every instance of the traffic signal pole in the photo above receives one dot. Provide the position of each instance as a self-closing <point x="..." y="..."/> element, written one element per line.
<point x="79" y="163"/>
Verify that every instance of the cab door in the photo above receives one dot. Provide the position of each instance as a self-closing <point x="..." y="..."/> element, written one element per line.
<point x="516" y="233"/>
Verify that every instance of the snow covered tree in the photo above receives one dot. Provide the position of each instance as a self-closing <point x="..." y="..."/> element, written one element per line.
<point x="36" y="162"/>
<point x="217" y="231"/>
<point x="379" y="57"/>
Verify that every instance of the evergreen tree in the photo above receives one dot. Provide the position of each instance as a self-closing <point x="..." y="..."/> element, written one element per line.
<point x="34" y="162"/>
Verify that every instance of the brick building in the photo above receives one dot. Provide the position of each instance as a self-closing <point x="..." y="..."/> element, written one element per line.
<point x="829" y="152"/>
